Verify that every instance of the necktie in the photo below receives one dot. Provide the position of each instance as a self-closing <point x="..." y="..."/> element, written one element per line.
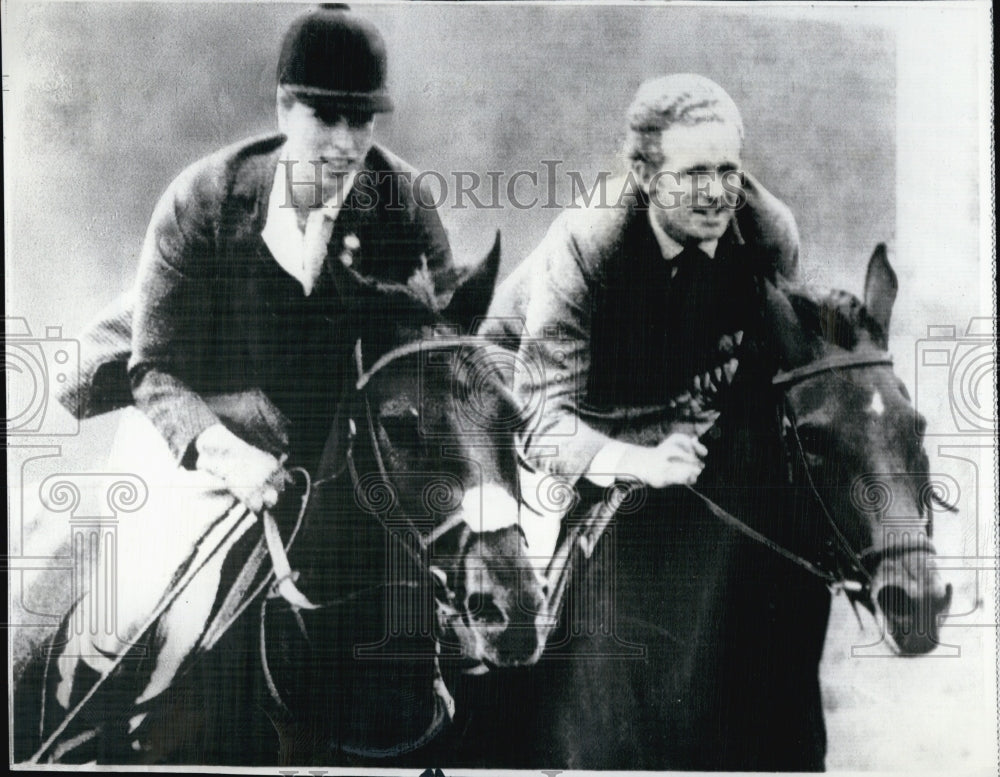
<point x="689" y="261"/>
<point x="319" y="228"/>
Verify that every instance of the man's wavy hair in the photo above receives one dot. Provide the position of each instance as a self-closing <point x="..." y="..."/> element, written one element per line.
<point x="681" y="98"/>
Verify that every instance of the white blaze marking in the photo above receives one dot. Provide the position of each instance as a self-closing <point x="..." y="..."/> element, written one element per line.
<point x="491" y="508"/>
<point x="877" y="406"/>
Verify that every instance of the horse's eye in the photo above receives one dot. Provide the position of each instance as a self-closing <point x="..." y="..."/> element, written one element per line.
<point x="919" y="424"/>
<point x="402" y="430"/>
<point x="813" y="438"/>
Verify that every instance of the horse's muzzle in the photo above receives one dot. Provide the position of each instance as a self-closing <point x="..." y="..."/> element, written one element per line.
<point x="911" y="595"/>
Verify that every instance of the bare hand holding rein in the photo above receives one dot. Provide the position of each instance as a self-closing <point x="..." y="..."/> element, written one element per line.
<point x="253" y="476"/>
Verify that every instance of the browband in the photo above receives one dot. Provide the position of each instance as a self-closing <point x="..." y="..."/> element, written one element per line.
<point x="829" y="364"/>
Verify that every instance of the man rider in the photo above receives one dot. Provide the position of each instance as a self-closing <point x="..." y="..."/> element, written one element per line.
<point x="235" y="333"/>
<point x="648" y="296"/>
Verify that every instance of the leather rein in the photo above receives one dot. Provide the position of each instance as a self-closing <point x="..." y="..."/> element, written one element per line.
<point x="851" y="575"/>
<point x="854" y="580"/>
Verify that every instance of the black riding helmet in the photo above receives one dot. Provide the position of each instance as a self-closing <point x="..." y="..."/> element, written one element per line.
<point x="335" y="61"/>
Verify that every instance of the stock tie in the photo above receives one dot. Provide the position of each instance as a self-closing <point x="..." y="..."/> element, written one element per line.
<point x="319" y="228"/>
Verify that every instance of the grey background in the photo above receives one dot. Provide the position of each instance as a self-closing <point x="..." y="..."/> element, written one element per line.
<point x="105" y="103"/>
<point x="117" y="99"/>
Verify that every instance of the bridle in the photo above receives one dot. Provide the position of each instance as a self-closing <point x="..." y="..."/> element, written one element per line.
<point x="851" y="575"/>
<point x="284" y="584"/>
<point x="285" y="577"/>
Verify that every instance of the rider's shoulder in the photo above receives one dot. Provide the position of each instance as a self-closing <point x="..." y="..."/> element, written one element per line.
<point x="596" y="229"/>
<point x="396" y="180"/>
<point x="234" y="170"/>
<point x="381" y="159"/>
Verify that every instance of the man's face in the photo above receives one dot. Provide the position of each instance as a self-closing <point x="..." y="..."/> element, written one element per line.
<point x="694" y="192"/>
<point x="331" y="141"/>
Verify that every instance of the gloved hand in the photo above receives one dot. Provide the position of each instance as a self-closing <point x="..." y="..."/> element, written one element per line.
<point x="253" y="476"/>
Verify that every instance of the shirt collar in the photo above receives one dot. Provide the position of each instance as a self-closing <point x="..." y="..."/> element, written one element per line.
<point x="669" y="247"/>
<point x="281" y="231"/>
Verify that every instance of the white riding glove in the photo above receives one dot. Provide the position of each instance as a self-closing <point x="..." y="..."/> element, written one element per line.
<point x="253" y="476"/>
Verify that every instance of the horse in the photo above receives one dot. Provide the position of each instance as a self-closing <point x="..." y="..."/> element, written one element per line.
<point x="398" y="562"/>
<point x="690" y="632"/>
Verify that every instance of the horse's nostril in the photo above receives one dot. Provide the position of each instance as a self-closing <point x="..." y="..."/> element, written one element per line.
<point x="944" y="603"/>
<point x="483" y="610"/>
<point x="895" y="601"/>
<point x="913" y="621"/>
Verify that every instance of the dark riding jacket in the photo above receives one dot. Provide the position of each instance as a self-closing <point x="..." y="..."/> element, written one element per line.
<point x="607" y="337"/>
<point x="215" y="328"/>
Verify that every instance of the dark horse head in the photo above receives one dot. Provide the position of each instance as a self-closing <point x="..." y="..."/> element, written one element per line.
<point x="445" y="422"/>
<point x="410" y="554"/>
<point x="692" y="625"/>
<point x="851" y="427"/>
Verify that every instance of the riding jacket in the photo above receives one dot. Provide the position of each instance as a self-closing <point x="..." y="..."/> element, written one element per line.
<point x="214" y="329"/>
<point x="610" y="337"/>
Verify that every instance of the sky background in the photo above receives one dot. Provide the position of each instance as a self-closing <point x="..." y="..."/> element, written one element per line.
<point x="866" y="122"/>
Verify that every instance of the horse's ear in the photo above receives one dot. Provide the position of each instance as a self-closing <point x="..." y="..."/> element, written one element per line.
<point x="472" y="298"/>
<point x="880" y="292"/>
<point x="783" y="327"/>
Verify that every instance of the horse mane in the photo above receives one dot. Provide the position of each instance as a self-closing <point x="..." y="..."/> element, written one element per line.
<point x="406" y="305"/>
<point x="402" y="313"/>
<point x="838" y="317"/>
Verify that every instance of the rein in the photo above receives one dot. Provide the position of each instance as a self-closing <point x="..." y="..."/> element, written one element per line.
<point x="284" y="585"/>
<point x="285" y="577"/>
<point x="857" y="581"/>
<point x="728" y="518"/>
